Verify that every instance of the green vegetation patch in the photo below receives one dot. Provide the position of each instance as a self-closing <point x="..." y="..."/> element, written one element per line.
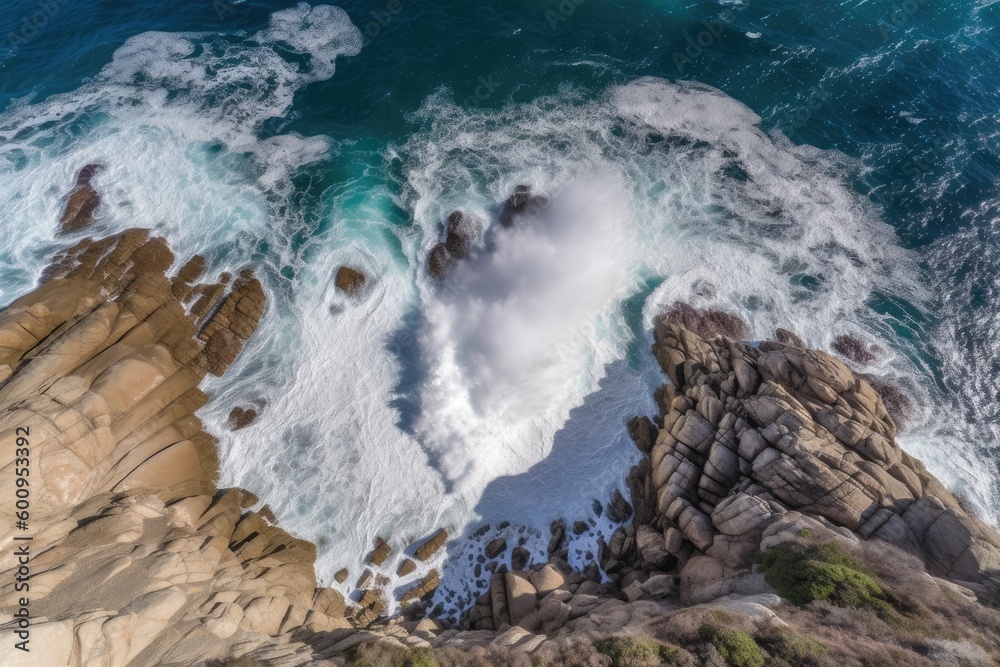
<point x="422" y="657"/>
<point x="629" y="651"/>
<point x="737" y="648"/>
<point x="824" y="572"/>
<point x="376" y="654"/>
<point x="791" y="647"/>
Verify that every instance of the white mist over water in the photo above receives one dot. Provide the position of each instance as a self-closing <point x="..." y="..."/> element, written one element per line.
<point x="508" y="332"/>
<point x="502" y="393"/>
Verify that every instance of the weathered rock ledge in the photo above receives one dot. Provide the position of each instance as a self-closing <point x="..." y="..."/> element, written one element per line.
<point x="757" y="441"/>
<point x="138" y="559"/>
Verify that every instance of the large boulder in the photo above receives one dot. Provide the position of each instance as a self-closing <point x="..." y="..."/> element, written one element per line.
<point x="521" y="596"/>
<point x="522" y="202"/>
<point x="432" y="545"/>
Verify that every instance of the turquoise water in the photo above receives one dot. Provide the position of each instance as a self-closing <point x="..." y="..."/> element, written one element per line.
<point x="829" y="168"/>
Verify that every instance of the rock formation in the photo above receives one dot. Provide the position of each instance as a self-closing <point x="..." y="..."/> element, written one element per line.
<point x="460" y="231"/>
<point x="855" y="349"/>
<point x="349" y="281"/>
<point x="82" y="201"/>
<point x="137" y="557"/>
<point x="240" y="417"/>
<point x="756" y="441"/>
<point x="521" y="203"/>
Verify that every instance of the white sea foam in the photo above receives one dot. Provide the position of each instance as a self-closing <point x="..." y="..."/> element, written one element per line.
<point x="176" y="118"/>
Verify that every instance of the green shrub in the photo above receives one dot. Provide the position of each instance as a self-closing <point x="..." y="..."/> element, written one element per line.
<point x="790" y="647"/>
<point x="377" y="654"/>
<point x="422" y="657"/>
<point x="737" y="648"/>
<point x="824" y="572"/>
<point x="628" y="651"/>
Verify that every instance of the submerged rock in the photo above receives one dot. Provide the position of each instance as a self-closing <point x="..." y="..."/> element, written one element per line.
<point x="521" y="203"/>
<point x="786" y="337"/>
<point x="897" y="402"/>
<point x="240" y="417"/>
<point x="855" y="349"/>
<point x="349" y="281"/>
<point x="707" y="323"/>
<point x="82" y="202"/>
<point x="439" y="262"/>
<point x="432" y="545"/>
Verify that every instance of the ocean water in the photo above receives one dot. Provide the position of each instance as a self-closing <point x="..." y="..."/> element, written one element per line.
<point x="830" y="169"/>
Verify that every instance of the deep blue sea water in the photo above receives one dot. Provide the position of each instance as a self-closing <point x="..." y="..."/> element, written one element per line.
<point x="825" y="167"/>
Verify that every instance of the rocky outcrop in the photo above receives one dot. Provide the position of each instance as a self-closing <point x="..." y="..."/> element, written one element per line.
<point x="82" y="202"/>
<point x="137" y="557"/>
<point x="759" y="440"/>
<point x="522" y="202"/>
<point x="707" y="323"/>
<point x="460" y="231"/>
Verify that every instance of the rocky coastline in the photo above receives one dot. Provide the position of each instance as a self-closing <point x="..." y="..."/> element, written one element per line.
<point x="773" y="518"/>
